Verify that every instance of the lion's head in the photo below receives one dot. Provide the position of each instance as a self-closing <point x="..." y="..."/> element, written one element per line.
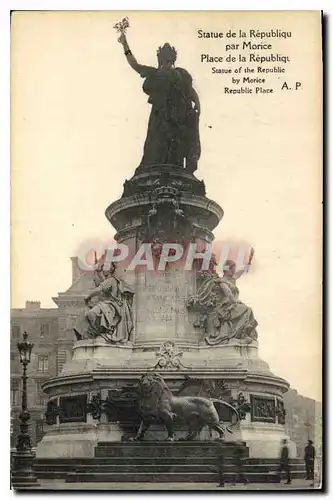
<point x="151" y="382"/>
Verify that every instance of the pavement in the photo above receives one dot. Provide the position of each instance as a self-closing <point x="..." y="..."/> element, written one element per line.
<point x="55" y="485"/>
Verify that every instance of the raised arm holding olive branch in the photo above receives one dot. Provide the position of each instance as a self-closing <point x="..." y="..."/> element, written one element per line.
<point x="173" y="128"/>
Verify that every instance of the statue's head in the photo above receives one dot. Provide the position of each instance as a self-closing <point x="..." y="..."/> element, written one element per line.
<point x="166" y="55"/>
<point x="229" y="268"/>
<point x="108" y="269"/>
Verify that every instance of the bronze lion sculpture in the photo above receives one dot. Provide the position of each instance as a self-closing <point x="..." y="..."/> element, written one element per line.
<point x="158" y="402"/>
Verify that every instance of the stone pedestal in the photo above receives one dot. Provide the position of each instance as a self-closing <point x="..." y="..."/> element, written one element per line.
<point x="76" y="440"/>
<point x="160" y="304"/>
<point x="93" y="399"/>
<point x="98" y="366"/>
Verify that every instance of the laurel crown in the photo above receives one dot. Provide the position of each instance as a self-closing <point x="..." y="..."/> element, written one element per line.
<point x="168" y="51"/>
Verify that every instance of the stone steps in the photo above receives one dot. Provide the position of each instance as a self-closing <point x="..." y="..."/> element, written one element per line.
<point x="78" y="472"/>
<point x="161" y="462"/>
<point x="153" y="467"/>
<point x="148" y="460"/>
<point x="172" y="478"/>
<point x="165" y="449"/>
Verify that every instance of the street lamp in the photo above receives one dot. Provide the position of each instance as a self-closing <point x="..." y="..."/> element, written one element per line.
<point x="23" y="475"/>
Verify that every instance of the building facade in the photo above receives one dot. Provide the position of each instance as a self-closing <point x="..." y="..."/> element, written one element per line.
<point x="50" y="329"/>
<point x="42" y="326"/>
<point x="303" y="421"/>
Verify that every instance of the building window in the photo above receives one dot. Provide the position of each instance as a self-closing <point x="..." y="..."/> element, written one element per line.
<point x="41" y="397"/>
<point x="16" y="330"/>
<point x="44" y="330"/>
<point x="14" y="361"/>
<point x="61" y="359"/>
<point x="14" y="392"/>
<point x="43" y="364"/>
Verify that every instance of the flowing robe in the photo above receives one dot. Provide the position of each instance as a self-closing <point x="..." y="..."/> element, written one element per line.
<point x="173" y="128"/>
<point x="111" y="318"/>
<point x="231" y="318"/>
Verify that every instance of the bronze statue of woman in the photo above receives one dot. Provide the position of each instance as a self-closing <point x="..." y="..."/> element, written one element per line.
<point x="173" y="128"/>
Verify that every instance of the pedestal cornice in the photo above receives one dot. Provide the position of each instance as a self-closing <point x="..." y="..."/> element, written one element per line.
<point x="195" y="207"/>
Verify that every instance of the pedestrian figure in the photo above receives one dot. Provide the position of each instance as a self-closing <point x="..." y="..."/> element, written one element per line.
<point x="239" y="456"/>
<point x="285" y="462"/>
<point x="309" y="458"/>
<point x="220" y="468"/>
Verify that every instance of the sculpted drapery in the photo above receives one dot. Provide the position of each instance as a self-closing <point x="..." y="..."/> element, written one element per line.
<point x="108" y="312"/>
<point x="226" y="316"/>
<point x="231" y="318"/>
<point x="173" y="127"/>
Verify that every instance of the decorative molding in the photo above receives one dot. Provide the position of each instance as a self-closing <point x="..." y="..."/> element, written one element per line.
<point x="94" y="407"/>
<point x="168" y="356"/>
<point x="97" y="406"/>
<point x="123" y="407"/>
<point x="280" y="412"/>
<point x="208" y="209"/>
<point x="73" y="408"/>
<point x="262" y="409"/>
<point x="211" y="388"/>
<point x="242" y="405"/>
<point x="52" y="412"/>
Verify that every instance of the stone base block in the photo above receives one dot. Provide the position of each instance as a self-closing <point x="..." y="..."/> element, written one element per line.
<point x="76" y="440"/>
<point x="263" y="440"/>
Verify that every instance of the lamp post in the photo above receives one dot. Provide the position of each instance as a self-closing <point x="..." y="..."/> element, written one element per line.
<point x="22" y="474"/>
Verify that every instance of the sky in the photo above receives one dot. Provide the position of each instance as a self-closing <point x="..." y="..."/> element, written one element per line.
<point x="79" y="119"/>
